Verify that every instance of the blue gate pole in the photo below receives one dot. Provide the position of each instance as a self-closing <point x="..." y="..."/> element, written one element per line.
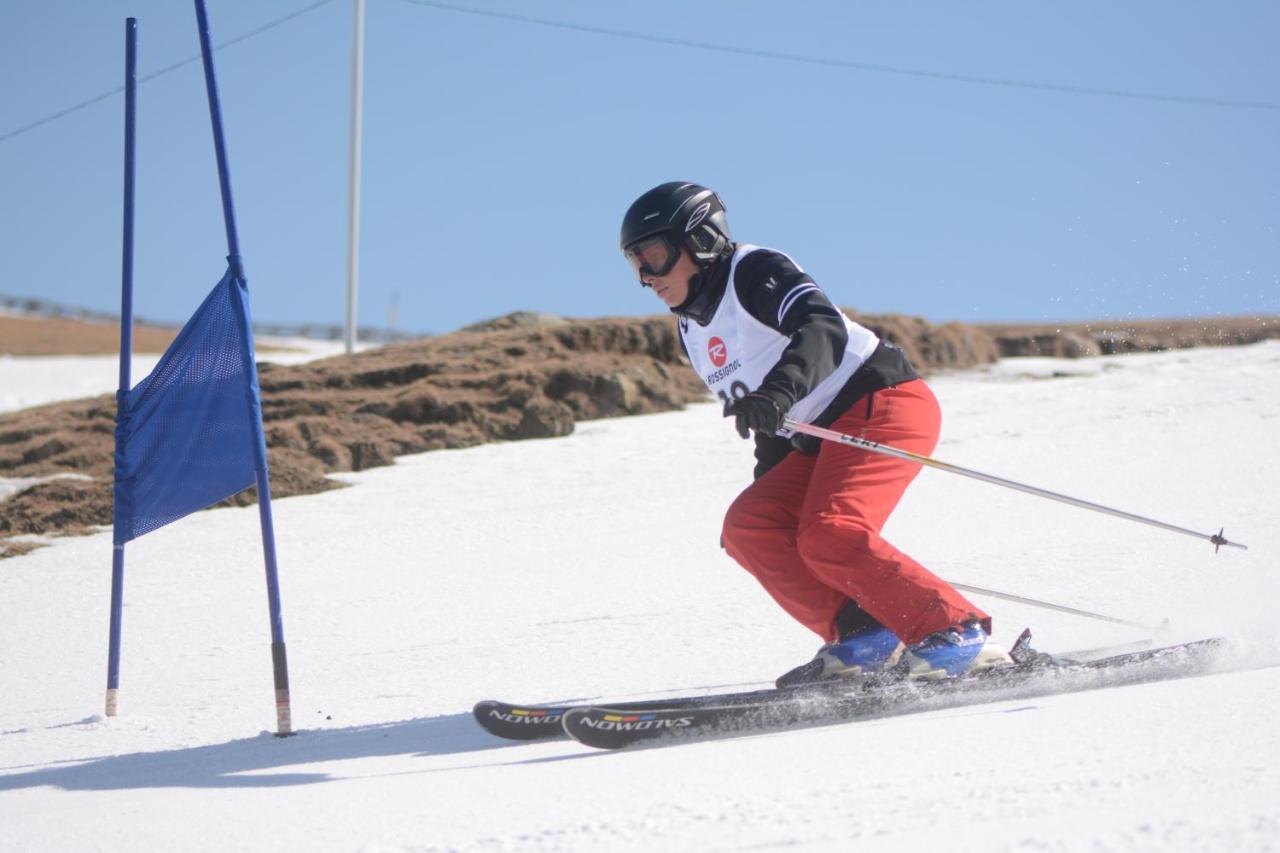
<point x="126" y="342"/>
<point x="279" y="660"/>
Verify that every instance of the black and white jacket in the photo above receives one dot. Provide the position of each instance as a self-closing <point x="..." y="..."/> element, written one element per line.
<point x="774" y="331"/>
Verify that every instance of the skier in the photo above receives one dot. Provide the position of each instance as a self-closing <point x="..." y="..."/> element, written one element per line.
<point x="768" y="343"/>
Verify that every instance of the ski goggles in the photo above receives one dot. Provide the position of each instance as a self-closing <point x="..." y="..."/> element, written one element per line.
<point x="653" y="256"/>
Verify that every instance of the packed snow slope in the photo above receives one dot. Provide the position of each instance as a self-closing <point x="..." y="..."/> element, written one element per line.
<point x="588" y="567"/>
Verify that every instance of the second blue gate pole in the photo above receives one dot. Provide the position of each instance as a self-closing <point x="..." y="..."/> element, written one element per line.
<point x="279" y="659"/>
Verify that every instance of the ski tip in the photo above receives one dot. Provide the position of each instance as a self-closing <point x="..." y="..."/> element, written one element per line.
<point x="581" y="725"/>
<point x="615" y="728"/>
<point x="517" y="722"/>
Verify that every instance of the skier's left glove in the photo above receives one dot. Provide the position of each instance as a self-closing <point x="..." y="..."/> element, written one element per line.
<point x="757" y="411"/>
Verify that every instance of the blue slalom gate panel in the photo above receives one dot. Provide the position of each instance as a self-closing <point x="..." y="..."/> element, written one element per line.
<point x="186" y="434"/>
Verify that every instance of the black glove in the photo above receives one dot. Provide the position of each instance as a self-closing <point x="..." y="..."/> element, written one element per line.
<point x="806" y="443"/>
<point x="756" y="411"/>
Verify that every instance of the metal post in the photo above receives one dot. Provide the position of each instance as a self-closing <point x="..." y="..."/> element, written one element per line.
<point x="280" y="670"/>
<point x="1217" y="539"/>
<point x="126" y="342"/>
<point x="353" y="211"/>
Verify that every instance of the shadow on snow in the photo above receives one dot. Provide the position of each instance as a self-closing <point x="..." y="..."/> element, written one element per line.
<point x="248" y="762"/>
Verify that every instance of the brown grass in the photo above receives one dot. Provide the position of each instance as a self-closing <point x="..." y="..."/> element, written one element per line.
<point x="524" y="376"/>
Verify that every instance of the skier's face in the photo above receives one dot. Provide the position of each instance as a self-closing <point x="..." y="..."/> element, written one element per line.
<point x="673" y="288"/>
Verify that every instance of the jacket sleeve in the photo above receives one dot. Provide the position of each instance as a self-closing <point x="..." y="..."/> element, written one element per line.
<point x="770" y="450"/>
<point x="785" y="299"/>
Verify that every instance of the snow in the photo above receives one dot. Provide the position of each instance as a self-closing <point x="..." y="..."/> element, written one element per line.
<point x="588" y="567"/>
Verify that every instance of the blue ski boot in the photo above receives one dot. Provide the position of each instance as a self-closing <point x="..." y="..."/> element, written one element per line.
<point x="862" y="652"/>
<point x="952" y="652"/>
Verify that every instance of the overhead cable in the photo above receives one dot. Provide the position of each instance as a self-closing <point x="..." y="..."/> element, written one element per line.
<point x="857" y="66"/>
<point x="160" y="72"/>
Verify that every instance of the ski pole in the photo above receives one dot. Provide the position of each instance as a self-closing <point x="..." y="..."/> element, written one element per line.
<point x="1047" y="605"/>
<point x="1217" y="539"/>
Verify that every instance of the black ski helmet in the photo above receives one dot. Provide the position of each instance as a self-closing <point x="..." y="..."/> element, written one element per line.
<point x="692" y="215"/>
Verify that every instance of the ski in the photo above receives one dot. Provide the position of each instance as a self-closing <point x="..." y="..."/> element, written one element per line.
<point x="1033" y="674"/>
<point x="539" y="722"/>
<point x="514" y="721"/>
<point x="519" y="722"/>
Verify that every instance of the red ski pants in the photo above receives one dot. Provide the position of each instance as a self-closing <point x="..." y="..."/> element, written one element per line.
<point x="809" y="529"/>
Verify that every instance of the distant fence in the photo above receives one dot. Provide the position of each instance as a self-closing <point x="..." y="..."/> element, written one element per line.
<point x="45" y="308"/>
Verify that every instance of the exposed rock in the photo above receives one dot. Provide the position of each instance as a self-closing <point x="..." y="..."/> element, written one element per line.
<point x="514" y="320"/>
<point x="23" y="335"/>
<point x="1062" y="344"/>
<point x="930" y="347"/>
<point x="1075" y="340"/>
<point x="64" y="336"/>
<point x="350" y="413"/>
<point x="521" y="376"/>
<point x="64" y="506"/>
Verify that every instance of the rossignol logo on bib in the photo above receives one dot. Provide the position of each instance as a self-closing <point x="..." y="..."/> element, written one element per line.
<point x="718" y="351"/>
<point x="733" y="352"/>
<point x="723" y="373"/>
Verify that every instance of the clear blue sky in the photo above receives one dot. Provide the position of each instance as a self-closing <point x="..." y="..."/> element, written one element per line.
<point x="500" y="154"/>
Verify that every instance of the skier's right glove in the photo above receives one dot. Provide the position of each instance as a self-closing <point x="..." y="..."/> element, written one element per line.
<point x="806" y="443"/>
<point x="756" y="411"/>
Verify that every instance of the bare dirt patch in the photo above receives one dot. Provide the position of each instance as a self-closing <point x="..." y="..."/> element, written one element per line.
<point x="516" y="377"/>
<point x="1076" y="340"/>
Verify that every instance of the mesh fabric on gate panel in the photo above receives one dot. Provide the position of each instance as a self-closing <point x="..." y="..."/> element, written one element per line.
<point x="185" y="434"/>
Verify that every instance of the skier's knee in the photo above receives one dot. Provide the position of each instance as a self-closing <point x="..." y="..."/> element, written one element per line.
<point x="731" y="532"/>
<point x="746" y="519"/>
<point x="825" y="537"/>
